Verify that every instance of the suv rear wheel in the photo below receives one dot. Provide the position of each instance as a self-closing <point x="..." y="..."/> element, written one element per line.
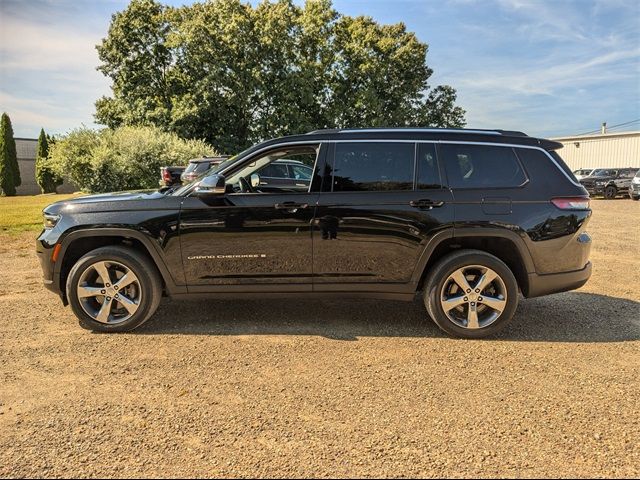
<point x="113" y="289"/>
<point x="471" y="294"/>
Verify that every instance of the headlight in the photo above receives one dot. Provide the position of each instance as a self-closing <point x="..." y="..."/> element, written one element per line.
<point x="599" y="184"/>
<point x="50" y="220"/>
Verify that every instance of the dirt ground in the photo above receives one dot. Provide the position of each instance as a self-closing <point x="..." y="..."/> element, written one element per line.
<point x="344" y="388"/>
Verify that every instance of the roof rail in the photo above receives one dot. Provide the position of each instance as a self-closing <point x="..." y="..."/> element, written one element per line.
<point x="324" y="130"/>
<point x="511" y="133"/>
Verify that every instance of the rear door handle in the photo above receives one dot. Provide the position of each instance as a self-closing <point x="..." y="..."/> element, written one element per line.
<point x="425" y="204"/>
<point x="290" y="206"/>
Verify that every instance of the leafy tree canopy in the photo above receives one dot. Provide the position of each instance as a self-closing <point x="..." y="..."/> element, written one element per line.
<point x="233" y="74"/>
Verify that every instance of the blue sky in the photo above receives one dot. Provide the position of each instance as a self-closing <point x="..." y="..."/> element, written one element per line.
<point x="548" y="68"/>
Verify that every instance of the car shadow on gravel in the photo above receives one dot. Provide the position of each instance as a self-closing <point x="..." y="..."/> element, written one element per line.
<point x="566" y="317"/>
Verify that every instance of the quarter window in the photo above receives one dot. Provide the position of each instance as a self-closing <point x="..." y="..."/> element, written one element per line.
<point x="375" y="166"/>
<point x="481" y="166"/>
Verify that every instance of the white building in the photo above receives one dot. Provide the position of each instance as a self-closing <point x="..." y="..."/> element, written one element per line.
<point x="604" y="150"/>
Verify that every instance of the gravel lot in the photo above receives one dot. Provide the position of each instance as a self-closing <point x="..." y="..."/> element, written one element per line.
<point x="326" y="388"/>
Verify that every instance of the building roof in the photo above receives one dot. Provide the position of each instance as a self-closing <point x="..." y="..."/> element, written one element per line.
<point x="597" y="136"/>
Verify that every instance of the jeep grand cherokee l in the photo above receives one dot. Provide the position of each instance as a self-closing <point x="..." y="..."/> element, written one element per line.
<point x="466" y="218"/>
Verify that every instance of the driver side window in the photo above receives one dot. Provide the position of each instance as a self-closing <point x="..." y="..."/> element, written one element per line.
<point x="277" y="171"/>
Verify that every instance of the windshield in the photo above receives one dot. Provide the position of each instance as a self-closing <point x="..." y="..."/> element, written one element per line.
<point x="602" y="173"/>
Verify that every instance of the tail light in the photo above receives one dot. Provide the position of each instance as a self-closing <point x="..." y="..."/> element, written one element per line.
<point x="571" y="203"/>
<point x="166" y="176"/>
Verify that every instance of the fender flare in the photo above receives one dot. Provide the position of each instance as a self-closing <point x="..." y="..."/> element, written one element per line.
<point x="152" y="249"/>
<point x="456" y="232"/>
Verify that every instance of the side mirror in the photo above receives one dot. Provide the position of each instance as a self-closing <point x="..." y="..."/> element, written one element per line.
<point x="255" y="180"/>
<point x="211" y="185"/>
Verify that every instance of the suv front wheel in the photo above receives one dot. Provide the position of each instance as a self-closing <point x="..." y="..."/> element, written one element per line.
<point x="471" y="294"/>
<point x="610" y="192"/>
<point x="113" y="289"/>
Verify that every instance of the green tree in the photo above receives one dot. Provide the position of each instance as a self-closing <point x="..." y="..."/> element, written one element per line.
<point x="233" y="74"/>
<point x="46" y="176"/>
<point x="137" y="61"/>
<point x="9" y="169"/>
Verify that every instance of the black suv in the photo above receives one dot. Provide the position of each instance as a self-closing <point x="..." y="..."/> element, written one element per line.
<point x="470" y="218"/>
<point x="198" y="166"/>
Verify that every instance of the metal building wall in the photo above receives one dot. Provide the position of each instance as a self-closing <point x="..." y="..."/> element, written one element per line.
<point x="610" y="150"/>
<point x="26" y="153"/>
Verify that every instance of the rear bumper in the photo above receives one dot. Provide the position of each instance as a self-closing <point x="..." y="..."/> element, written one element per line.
<point x="557" y="282"/>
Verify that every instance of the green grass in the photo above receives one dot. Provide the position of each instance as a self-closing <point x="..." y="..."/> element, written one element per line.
<point x="24" y="213"/>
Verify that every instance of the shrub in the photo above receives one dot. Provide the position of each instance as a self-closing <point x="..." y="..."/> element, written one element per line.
<point x="126" y="158"/>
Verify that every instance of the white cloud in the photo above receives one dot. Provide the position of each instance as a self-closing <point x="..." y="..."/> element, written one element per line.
<point x="48" y="63"/>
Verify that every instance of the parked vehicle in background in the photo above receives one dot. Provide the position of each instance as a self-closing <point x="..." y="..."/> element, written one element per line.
<point x="469" y="218"/>
<point x="582" y="173"/>
<point x="286" y="173"/>
<point x="170" y="176"/>
<point x="609" y="183"/>
<point x="198" y="166"/>
<point x="634" y="188"/>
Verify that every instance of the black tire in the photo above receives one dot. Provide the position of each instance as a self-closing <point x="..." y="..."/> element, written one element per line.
<point x="635" y="198"/>
<point x="148" y="285"/>
<point x="610" y="192"/>
<point x="439" y="280"/>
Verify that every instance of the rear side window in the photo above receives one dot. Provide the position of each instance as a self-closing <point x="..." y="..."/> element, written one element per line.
<point x="481" y="166"/>
<point x="275" y="170"/>
<point x="375" y="166"/>
<point x="301" y="172"/>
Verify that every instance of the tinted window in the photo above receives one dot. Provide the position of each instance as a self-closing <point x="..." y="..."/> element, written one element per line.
<point x="300" y="172"/>
<point x="275" y="170"/>
<point x="428" y="173"/>
<point x="202" y="167"/>
<point x="375" y="166"/>
<point x="481" y="166"/>
<point x="191" y="167"/>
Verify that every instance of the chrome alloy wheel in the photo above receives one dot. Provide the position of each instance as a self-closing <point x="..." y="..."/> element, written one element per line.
<point x="473" y="297"/>
<point x="109" y="292"/>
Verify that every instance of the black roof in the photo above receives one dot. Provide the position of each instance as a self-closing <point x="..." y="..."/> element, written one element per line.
<point x="408" y="133"/>
<point x="219" y="158"/>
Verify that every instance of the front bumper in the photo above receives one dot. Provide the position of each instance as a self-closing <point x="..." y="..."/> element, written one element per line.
<point x="557" y="282"/>
<point x="45" y="244"/>
<point x="634" y="190"/>
<point x="595" y="191"/>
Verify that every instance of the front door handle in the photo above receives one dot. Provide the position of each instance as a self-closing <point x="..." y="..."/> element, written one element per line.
<point x="425" y="204"/>
<point x="292" y="207"/>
